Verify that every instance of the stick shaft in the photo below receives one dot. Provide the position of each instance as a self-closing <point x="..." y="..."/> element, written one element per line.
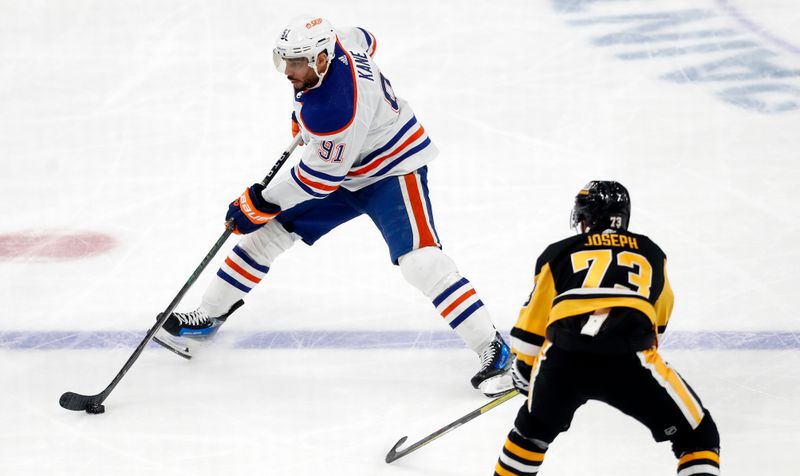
<point x="394" y="455"/>
<point x="71" y="400"/>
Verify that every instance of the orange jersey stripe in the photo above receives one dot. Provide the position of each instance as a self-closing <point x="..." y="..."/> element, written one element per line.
<point x="374" y="45"/>
<point x="376" y="163"/>
<point x="242" y="271"/>
<point x="458" y="301"/>
<point x="311" y="183"/>
<point x="425" y="235"/>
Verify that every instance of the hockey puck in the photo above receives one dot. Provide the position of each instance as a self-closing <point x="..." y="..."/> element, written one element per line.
<point x="95" y="409"/>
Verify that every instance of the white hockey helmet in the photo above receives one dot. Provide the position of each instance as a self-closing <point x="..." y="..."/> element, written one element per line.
<point x="305" y="37"/>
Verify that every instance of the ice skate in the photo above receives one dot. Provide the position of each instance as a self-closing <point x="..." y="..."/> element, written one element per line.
<point x="494" y="377"/>
<point x="183" y="332"/>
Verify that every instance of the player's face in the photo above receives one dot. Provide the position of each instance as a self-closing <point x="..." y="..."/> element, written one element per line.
<point x="301" y="75"/>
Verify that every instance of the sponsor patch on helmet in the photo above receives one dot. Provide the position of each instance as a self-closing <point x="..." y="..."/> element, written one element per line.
<point x="313" y="23"/>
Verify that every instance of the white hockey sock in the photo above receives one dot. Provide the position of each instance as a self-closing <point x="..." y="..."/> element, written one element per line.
<point x="245" y="266"/>
<point x="436" y="275"/>
<point x="465" y="313"/>
<point x="235" y="278"/>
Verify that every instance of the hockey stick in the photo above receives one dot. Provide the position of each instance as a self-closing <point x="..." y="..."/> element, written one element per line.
<point x="394" y="454"/>
<point x="94" y="403"/>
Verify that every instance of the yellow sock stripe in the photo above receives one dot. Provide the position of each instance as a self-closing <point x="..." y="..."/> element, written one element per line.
<point x="709" y="455"/>
<point x="503" y="471"/>
<point x="523" y="453"/>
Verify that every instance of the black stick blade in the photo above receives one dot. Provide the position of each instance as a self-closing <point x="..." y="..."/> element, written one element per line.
<point x="79" y="403"/>
<point x="393" y="454"/>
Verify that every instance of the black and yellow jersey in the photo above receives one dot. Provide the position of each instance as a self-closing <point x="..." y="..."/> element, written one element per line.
<point x="596" y="292"/>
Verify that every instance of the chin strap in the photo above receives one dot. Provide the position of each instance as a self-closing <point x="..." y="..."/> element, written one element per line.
<point x="321" y="76"/>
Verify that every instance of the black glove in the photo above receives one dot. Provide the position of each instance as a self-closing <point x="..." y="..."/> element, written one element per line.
<point x="521" y="375"/>
<point x="250" y="211"/>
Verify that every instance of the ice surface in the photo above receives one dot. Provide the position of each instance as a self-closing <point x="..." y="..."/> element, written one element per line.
<point x="131" y="125"/>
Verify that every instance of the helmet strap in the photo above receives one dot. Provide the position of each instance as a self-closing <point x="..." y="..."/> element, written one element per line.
<point x="321" y="76"/>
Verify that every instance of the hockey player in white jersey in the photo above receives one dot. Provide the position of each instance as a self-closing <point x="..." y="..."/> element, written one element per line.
<point x="365" y="153"/>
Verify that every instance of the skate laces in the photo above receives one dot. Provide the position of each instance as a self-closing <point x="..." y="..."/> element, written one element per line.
<point x="495" y="354"/>
<point x="194" y="318"/>
<point x="489" y="353"/>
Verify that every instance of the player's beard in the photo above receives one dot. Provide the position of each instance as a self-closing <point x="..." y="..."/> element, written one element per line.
<point x="304" y="84"/>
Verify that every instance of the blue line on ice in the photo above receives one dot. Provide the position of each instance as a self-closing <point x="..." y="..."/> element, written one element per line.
<point x="373" y="340"/>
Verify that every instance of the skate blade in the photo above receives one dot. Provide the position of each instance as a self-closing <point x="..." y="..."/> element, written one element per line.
<point x="182" y="350"/>
<point x="497" y="385"/>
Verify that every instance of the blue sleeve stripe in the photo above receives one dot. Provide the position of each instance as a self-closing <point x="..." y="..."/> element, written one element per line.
<point x="247" y="259"/>
<point x="410" y="152"/>
<point x="236" y="284"/>
<point x="305" y="187"/>
<point x="367" y="36"/>
<point x="447" y="292"/>
<point x="389" y="144"/>
<point x="467" y="312"/>
<point x="320" y="175"/>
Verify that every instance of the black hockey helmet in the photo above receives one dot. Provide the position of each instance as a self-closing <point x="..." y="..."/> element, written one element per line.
<point x="601" y="205"/>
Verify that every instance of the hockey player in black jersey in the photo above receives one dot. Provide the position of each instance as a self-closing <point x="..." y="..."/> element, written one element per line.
<point x="590" y="331"/>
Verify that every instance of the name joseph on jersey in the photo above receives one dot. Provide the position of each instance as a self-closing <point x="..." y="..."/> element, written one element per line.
<point x="611" y="239"/>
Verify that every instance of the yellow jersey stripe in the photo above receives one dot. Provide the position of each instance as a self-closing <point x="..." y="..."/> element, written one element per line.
<point x="533" y="317"/>
<point x="671" y="380"/>
<point x="574" y="307"/>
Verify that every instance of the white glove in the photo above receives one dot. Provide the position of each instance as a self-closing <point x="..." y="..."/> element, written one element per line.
<point x="520" y="375"/>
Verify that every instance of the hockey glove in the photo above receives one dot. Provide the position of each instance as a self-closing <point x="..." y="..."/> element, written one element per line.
<point x="520" y="375"/>
<point x="250" y="211"/>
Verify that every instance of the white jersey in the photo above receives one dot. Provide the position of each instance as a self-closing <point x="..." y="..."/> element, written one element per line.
<point x="356" y="130"/>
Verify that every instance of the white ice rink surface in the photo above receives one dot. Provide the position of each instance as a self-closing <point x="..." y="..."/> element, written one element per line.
<point x="127" y="127"/>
